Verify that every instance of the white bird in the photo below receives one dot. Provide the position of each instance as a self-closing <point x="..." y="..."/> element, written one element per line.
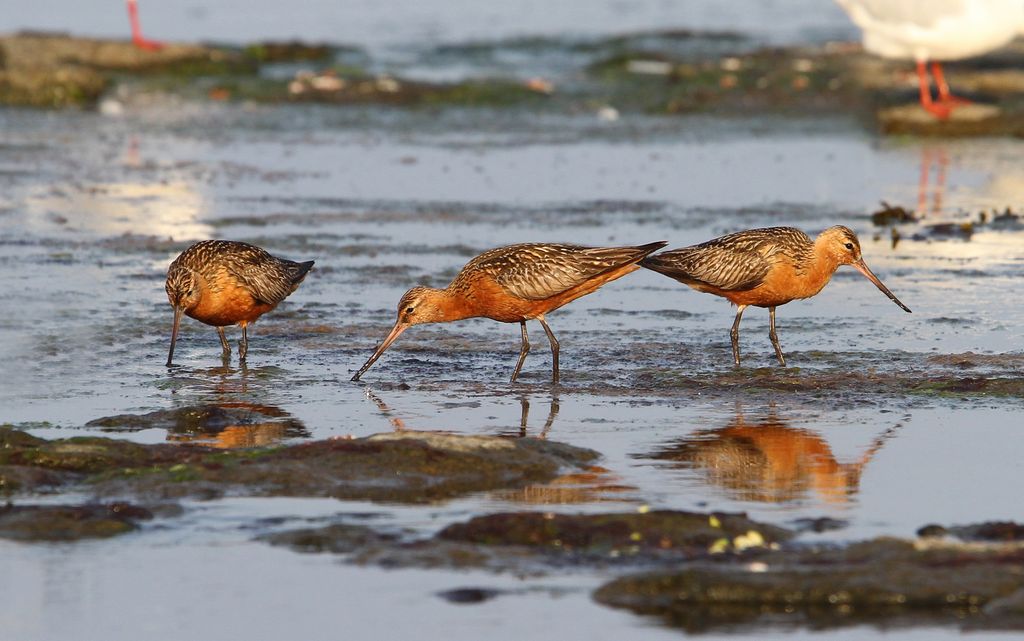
<point x="935" y="30"/>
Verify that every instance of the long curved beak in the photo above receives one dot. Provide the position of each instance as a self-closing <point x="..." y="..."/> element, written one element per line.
<point x="862" y="267"/>
<point x="396" y="331"/>
<point x="174" y="333"/>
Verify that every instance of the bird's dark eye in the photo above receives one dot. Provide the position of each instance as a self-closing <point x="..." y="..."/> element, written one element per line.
<point x="409" y="310"/>
<point x="849" y="246"/>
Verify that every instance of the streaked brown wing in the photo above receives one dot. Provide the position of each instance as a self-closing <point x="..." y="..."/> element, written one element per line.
<point x="536" y="271"/>
<point x="735" y="262"/>
<point x="267" y="278"/>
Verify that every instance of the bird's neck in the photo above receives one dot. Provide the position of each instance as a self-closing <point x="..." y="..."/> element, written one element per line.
<point x="451" y="304"/>
<point x="820" y="269"/>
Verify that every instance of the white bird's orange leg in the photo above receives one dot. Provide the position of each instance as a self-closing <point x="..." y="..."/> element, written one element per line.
<point x="943" y="87"/>
<point x="137" y="38"/>
<point x="942" y="107"/>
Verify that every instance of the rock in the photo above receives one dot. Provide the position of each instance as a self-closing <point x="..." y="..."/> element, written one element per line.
<point x="993" y="531"/>
<point x="57" y="70"/>
<point x="533" y="543"/>
<point x="55" y="50"/>
<point x="22" y="478"/>
<point x="73" y="459"/>
<point x="410" y="467"/>
<point x="914" y="114"/>
<point x="469" y="595"/>
<point x="932" y="531"/>
<point x="228" y="425"/>
<point x="336" y="539"/>
<point x="883" y="582"/>
<point x="291" y="51"/>
<point x="39" y="86"/>
<point x="972" y="119"/>
<point x="627" y="534"/>
<point x="821" y="524"/>
<point x="69" y="523"/>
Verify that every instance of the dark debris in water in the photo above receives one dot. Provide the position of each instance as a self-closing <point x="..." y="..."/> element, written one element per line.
<point x="892" y="215"/>
<point x="962" y="225"/>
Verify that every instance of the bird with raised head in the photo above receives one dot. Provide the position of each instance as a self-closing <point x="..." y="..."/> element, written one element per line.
<point x="765" y="268"/>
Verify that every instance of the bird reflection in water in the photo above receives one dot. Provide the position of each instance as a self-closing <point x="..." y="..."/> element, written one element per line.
<point x="524" y="402"/>
<point x="767" y="460"/>
<point x="388" y="413"/>
<point x="932" y="158"/>
<point x="399" y="424"/>
<point x="593" y="483"/>
<point x="234" y="425"/>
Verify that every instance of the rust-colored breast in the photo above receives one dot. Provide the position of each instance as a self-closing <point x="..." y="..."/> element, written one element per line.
<point x="785" y="282"/>
<point x="226" y="301"/>
<point x="763" y="267"/>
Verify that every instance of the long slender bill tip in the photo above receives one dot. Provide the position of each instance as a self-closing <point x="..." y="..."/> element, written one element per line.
<point x="390" y="338"/>
<point x="862" y="267"/>
<point x="174" y="336"/>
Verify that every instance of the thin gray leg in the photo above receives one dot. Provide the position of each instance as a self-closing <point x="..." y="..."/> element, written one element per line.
<point x="552" y="413"/>
<point x="522" y="353"/>
<point x="243" y="345"/>
<point x="775" y="337"/>
<point x="554" y="348"/>
<point x="524" y="416"/>
<point x="735" y="335"/>
<point x="225" y="346"/>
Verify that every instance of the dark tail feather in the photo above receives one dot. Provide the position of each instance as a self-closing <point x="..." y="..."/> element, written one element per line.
<point x="300" y="270"/>
<point x="650" y="248"/>
<point x="652" y="262"/>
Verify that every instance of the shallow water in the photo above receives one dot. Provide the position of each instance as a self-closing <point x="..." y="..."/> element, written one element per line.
<point x="93" y="208"/>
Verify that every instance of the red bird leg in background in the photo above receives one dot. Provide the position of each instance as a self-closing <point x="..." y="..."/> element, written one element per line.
<point x="137" y="38"/>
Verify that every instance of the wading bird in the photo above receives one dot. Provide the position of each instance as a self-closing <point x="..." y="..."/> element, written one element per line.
<point x="765" y="268"/>
<point x="222" y="282"/>
<point x="515" y="284"/>
<point x="935" y="30"/>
